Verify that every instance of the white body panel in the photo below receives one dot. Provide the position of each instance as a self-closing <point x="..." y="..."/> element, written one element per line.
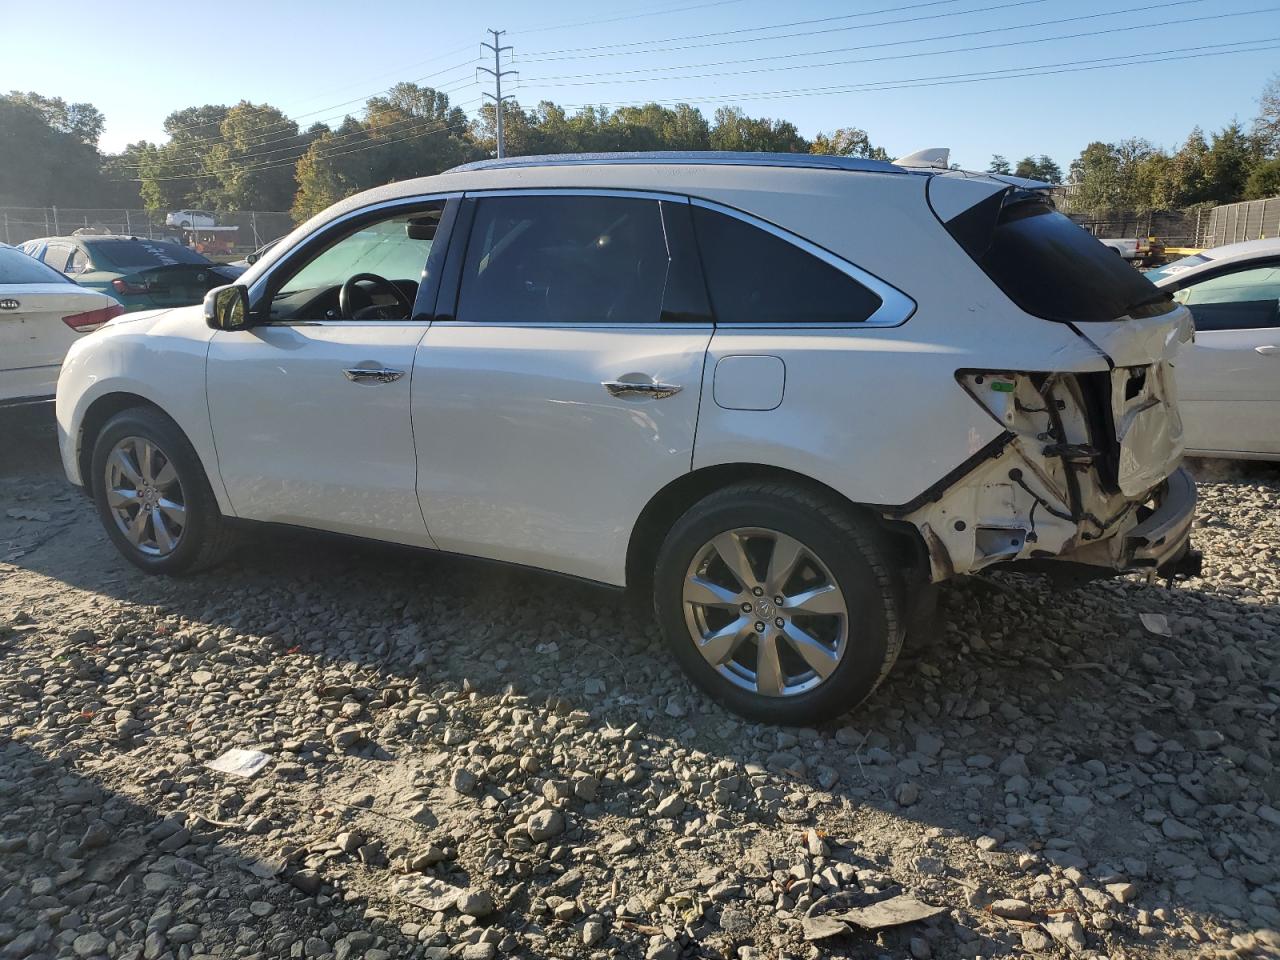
<point x="524" y="456"/>
<point x="503" y="443"/>
<point x="300" y="443"/>
<point x="1229" y="388"/>
<point x="33" y="338"/>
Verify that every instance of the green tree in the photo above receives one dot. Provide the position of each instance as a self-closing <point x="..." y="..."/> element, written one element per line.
<point x="251" y="159"/>
<point x="1038" y="168"/>
<point x="733" y="130"/>
<point x="1264" y="181"/>
<point x="998" y="165"/>
<point x="1266" y="128"/>
<point x="848" y="142"/>
<point x="1232" y="156"/>
<point x="48" y="152"/>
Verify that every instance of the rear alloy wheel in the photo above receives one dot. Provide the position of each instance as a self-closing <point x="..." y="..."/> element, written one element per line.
<point x="779" y="602"/>
<point x="765" y="612"/>
<point x="153" y="497"/>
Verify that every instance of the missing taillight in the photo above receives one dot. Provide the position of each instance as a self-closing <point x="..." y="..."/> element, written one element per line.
<point x="91" y="320"/>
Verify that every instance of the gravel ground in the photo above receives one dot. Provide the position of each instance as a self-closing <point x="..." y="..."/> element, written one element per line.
<point x="469" y="762"/>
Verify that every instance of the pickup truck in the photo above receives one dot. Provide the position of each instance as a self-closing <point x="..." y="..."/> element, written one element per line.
<point x="1145" y="251"/>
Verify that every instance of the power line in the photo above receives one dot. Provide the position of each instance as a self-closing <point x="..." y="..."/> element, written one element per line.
<point x="498" y="73"/>
<point x="945" y="79"/>
<point x="649" y="13"/>
<point x="549" y="81"/>
<point x="587" y="51"/>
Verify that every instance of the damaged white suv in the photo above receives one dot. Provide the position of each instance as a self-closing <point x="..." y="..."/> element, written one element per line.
<point x="782" y="395"/>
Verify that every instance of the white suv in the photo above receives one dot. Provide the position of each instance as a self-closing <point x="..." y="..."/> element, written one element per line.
<point x="783" y="395"/>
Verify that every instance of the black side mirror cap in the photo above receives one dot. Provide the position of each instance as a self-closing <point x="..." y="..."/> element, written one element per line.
<point x="227" y="308"/>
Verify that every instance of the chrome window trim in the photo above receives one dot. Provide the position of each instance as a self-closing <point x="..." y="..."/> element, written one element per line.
<point x="289" y="255"/>
<point x="577" y="192"/>
<point x="895" y="309"/>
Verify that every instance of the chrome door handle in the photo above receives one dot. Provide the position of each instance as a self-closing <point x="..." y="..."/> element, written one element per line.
<point x="372" y="375"/>
<point x="1267" y="349"/>
<point x="625" y="388"/>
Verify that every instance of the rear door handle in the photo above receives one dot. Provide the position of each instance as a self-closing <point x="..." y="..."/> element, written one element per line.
<point x="372" y="375"/>
<point x="1267" y="349"/>
<point x="626" y="388"/>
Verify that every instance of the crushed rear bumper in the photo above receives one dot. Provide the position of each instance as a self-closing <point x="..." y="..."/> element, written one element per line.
<point x="1161" y="541"/>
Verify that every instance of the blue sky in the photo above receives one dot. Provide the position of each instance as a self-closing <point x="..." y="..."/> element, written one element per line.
<point x="139" y="61"/>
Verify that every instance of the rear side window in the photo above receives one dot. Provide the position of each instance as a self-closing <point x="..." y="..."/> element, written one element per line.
<point x="17" y="267"/>
<point x="1241" y="300"/>
<point x="1049" y="266"/>
<point x="139" y="254"/>
<point x="56" y="255"/>
<point x="754" y="276"/>
<point x="574" y="260"/>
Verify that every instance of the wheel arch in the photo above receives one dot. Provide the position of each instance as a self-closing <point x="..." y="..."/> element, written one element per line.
<point x="673" y="500"/>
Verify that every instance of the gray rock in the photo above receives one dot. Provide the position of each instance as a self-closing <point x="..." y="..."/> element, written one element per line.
<point x="545" y="824"/>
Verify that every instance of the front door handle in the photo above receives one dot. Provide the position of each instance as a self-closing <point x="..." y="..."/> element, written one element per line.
<point x="626" y="388"/>
<point x="372" y="375"/>
<point x="1267" y="349"/>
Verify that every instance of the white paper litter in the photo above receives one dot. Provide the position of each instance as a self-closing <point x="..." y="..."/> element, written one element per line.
<point x="239" y="763"/>
<point x="1156" y="623"/>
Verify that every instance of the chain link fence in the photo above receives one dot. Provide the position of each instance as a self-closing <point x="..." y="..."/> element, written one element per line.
<point x="236" y="232"/>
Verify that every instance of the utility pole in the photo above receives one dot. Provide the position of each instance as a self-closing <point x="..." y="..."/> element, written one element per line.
<point x="498" y="73"/>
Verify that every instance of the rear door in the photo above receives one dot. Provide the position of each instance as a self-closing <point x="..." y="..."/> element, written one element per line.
<point x="557" y="389"/>
<point x="1229" y="379"/>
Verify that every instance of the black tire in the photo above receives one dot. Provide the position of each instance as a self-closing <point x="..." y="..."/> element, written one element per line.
<point x="852" y="550"/>
<point x="205" y="540"/>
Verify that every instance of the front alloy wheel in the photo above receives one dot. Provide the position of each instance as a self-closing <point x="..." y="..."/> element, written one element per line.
<point x="765" y="612"/>
<point x="145" y="496"/>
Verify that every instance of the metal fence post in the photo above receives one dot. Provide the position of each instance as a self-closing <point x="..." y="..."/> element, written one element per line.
<point x="128" y="227"/>
<point x="6" y="226"/>
<point x="46" y="221"/>
<point x="56" y="229"/>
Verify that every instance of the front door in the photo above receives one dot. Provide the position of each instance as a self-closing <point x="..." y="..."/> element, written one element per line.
<point x="562" y="391"/>
<point x="310" y="407"/>
<point x="1229" y="379"/>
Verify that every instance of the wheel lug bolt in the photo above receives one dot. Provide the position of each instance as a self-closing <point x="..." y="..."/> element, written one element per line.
<point x="746" y="608"/>
<point x="778" y="601"/>
<point x="758" y="592"/>
<point x="780" y="622"/>
<point x="759" y="626"/>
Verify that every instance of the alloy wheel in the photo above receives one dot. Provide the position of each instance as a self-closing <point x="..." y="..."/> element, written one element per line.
<point x="765" y="612"/>
<point x="145" y="496"/>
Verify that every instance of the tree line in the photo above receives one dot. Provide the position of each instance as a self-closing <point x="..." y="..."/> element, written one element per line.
<point x="253" y="157"/>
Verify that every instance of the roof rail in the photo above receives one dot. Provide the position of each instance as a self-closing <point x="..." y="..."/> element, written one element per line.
<point x="810" y="161"/>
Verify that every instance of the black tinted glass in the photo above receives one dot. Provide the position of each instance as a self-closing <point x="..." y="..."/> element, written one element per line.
<point x="1049" y="266"/>
<point x="134" y="254"/>
<point x="756" y="277"/>
<point x="17" y="267"/>
<point x="564" y="260"/>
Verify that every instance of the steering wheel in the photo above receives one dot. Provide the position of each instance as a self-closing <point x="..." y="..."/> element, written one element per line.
<point x="344" y="295"/>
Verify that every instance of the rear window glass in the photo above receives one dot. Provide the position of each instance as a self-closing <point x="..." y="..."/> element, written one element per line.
<point x="136" y="254"/>
<point x="756" y="277"/>
<point x="1049" y="266"/>
<point x="1176" y="267"/>
<point x="17" y="267"/>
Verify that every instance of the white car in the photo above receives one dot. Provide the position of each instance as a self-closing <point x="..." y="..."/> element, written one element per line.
<point x="42" y="313"/>
<point x="1229" y="379"/>
<point x="190" y="218"/>
<point x="780" y="394"/>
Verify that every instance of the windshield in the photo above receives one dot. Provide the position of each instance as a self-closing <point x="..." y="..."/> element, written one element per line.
<point x="390" y="249"/>
<point x="1176" y="267"/>
<point x="17" y="267"/>
<point x="1048" y="266"/>
<point x="139" y="254"/>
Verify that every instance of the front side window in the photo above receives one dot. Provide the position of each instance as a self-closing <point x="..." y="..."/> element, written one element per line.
<point x="1246" y="299"/>
<point x="565" y="260"/>
<point x="754" y="276"/>
<point x="367" y="272"/>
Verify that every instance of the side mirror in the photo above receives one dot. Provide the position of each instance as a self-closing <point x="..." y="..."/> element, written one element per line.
<point x="227" y="308"/>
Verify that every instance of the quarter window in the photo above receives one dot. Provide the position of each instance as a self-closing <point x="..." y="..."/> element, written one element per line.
<point x="565" y="260"/>
<point x="1243" y="300"/>
<point x="754" y="276"/>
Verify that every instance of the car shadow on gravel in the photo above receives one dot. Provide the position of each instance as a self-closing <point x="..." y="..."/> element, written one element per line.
<point x="1055" y="727"/>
